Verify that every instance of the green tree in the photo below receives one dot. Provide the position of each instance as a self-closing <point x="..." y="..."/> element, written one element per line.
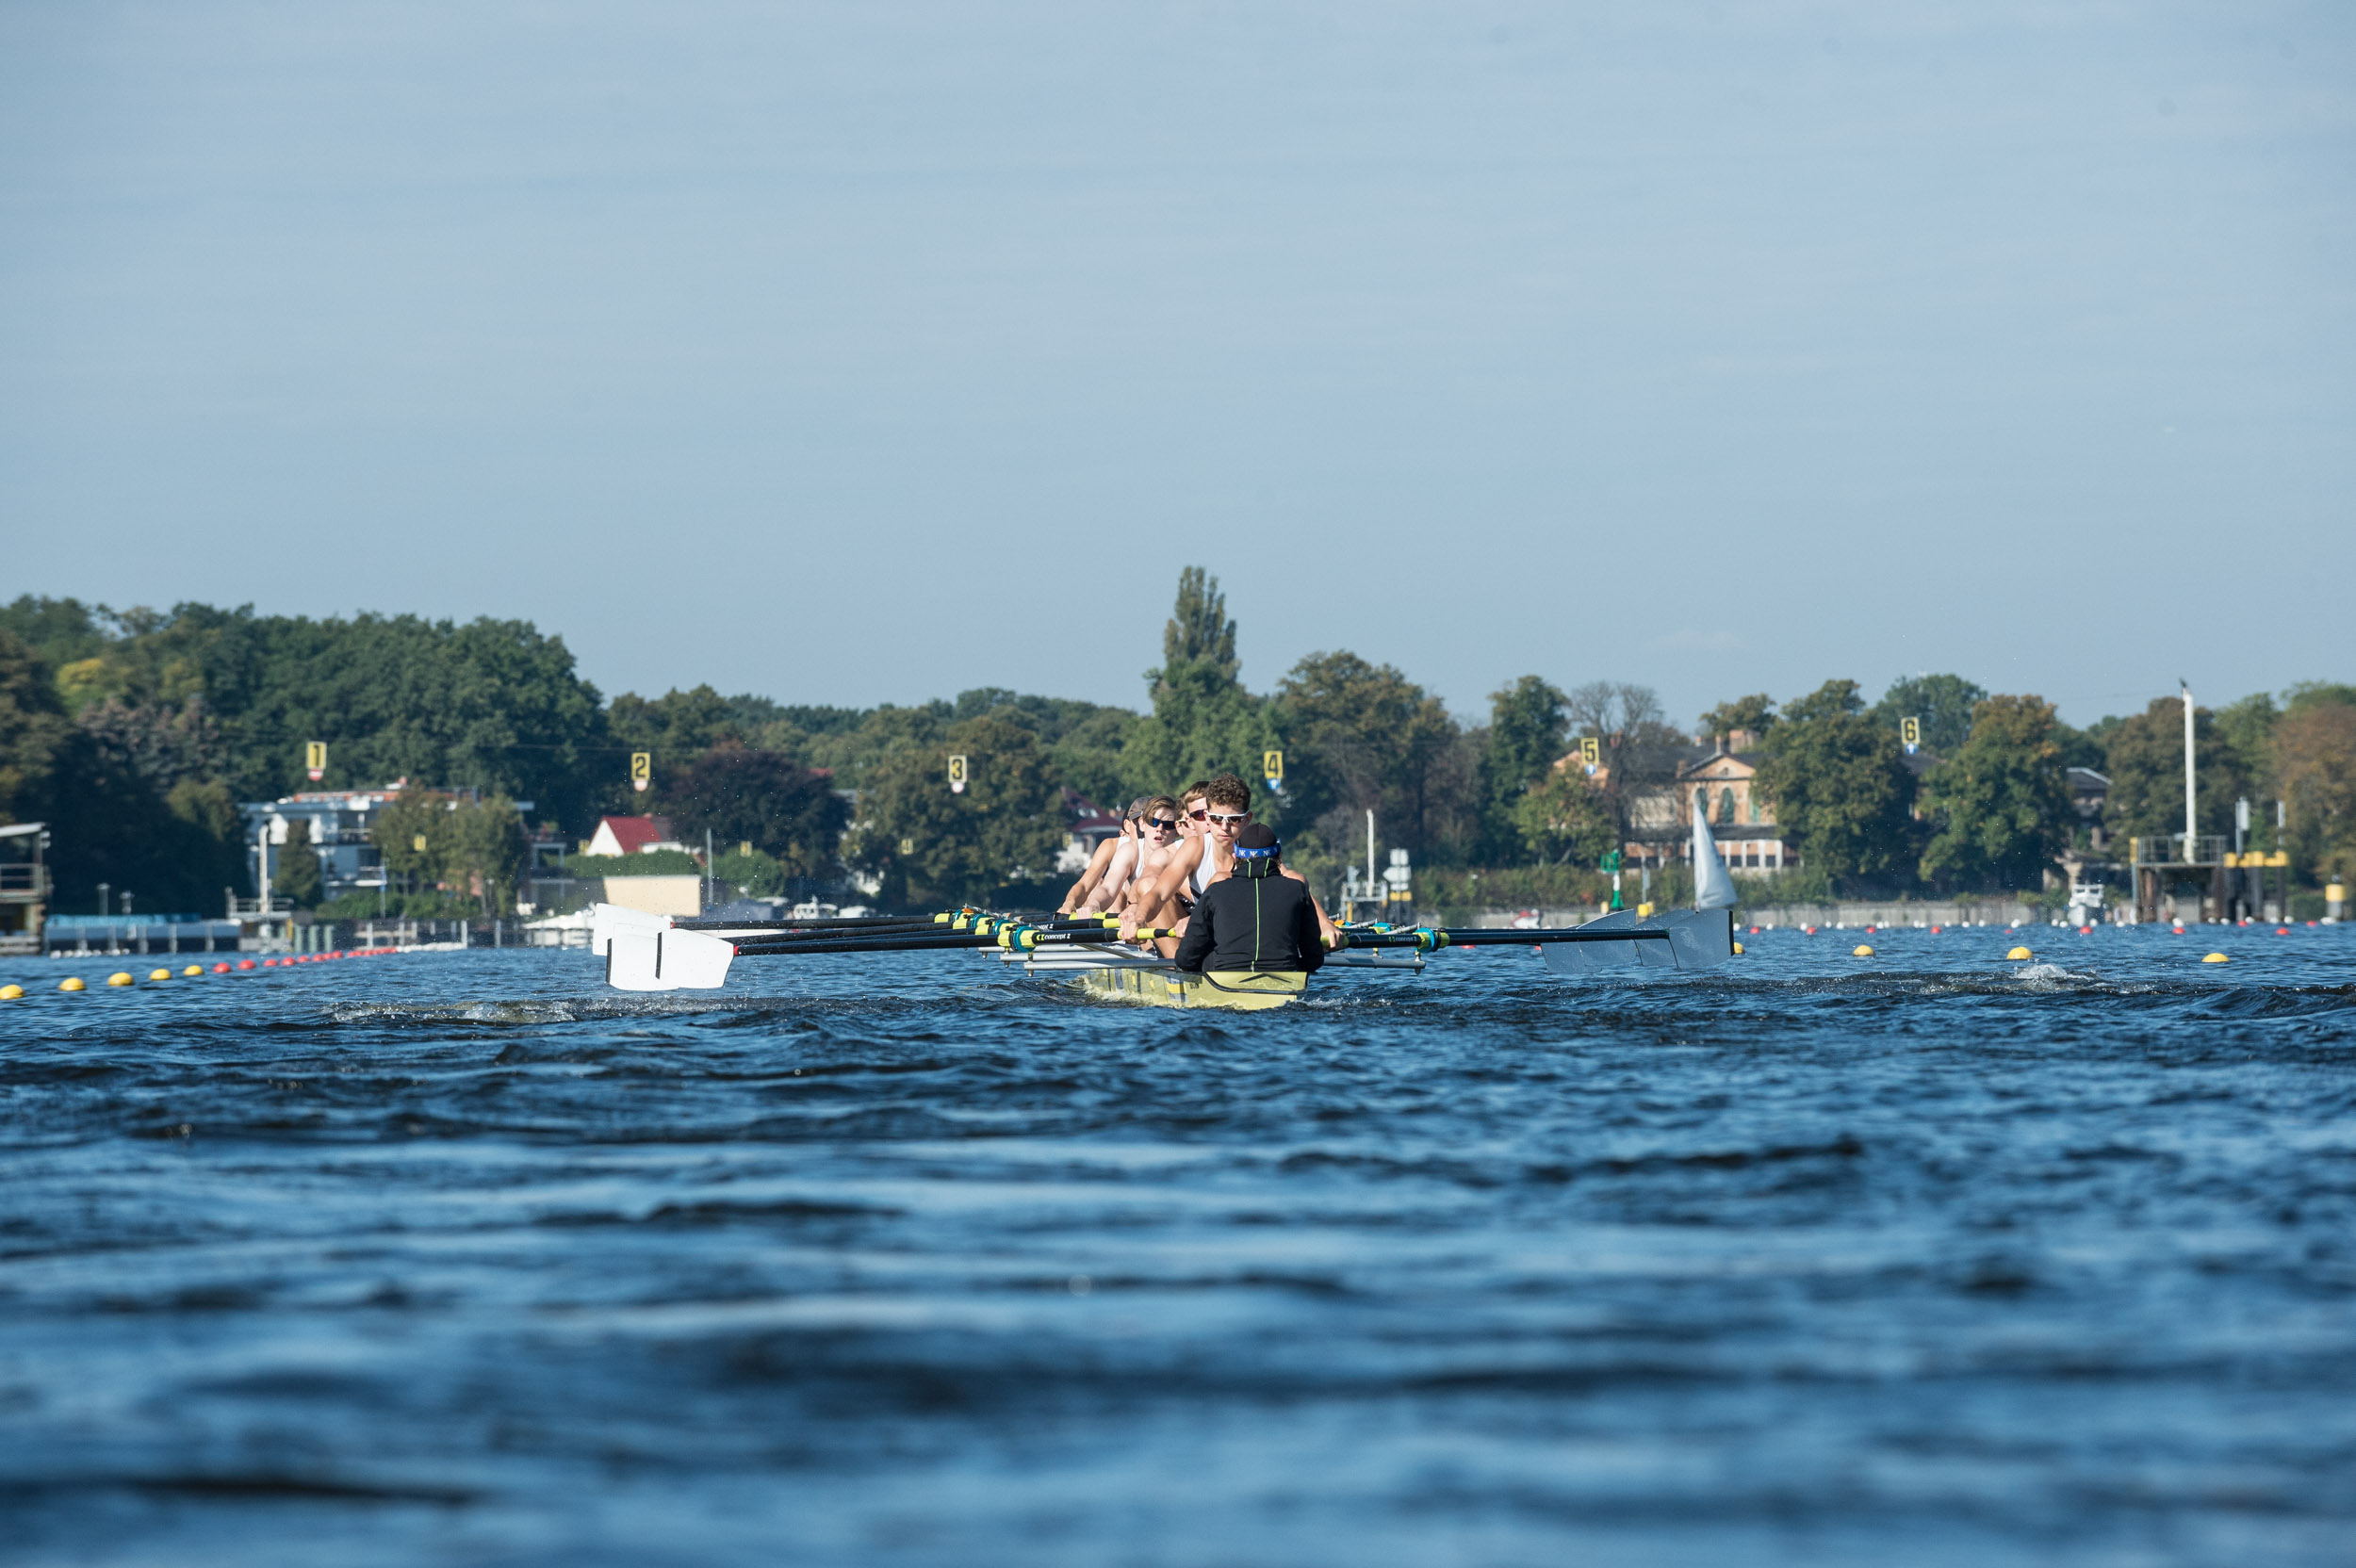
<point x="33" y="732"/>
<point x="485" y="854"/>
<point x="1945" y="703"/>
<point x="296" y="876"/>
<point x="412" y="837"/>
<point x="1840" y="786"/>
<point x="772" y="802"/>
<point x="1358" y="737"/>
<point x="932" y="848"/>
<point x="1752" y="714"/>
<point x="2145" y="762"/>
<point x="2001" y="801"/>
<point x="1528" y="732"/>
<point x="1203" y="721"/>
<point x="1565" y="820"/>
<point x="1199" y="631"/>
<point x="754" y="875"/>
<point x="2315" y="745"/>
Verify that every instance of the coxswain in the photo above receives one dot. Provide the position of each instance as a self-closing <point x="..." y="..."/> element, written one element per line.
<point x="1254" y="917"/>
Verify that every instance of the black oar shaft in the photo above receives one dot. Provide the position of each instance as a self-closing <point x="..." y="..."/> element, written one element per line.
<point x="922" y="943"/>
<point x="860" y="923"/>
<point x="1492" y="937"/>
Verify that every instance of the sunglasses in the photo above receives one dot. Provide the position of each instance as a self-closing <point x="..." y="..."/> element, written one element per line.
<point x="1226" y="819"/>
<point x="1163" y="822"/>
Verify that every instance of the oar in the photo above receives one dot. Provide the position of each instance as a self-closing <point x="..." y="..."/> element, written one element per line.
<point x="852" y="922"/>
<point x="1010" y="935"/>
<point x="961" y="934"/>
<point x="1686" y="939"/>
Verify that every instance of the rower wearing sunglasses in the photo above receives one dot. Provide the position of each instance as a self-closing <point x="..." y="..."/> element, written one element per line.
<point x="1157" y="836"/>
<point x="1204" y="858"/>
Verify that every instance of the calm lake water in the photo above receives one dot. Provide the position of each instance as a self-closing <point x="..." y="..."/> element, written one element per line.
<point x="1924" y="1258"/>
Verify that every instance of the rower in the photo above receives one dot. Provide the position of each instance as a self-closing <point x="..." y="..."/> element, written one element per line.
<point x="1157" y="840"/>
<point x="1254" y="918"/>
<point x="1101" y="873"/>
<point x="1200" y="863"/>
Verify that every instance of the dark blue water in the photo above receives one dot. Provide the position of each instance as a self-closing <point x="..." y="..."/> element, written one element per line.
<point x="1924" y="1258"/>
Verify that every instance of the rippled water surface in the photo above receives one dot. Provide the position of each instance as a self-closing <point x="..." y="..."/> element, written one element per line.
<point x="1924" y="1258"/>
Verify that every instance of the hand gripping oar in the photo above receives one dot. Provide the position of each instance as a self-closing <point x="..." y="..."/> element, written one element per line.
<point x="1679" y="939"/>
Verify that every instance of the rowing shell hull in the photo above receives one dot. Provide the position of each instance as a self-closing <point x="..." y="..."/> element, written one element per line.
<point x="1236" y="990"/>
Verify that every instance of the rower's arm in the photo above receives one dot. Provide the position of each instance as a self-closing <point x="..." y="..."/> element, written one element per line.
<point x="1114" y="881"/>
<point x="1165" y="888"/>
<point x="1090" y="877"/>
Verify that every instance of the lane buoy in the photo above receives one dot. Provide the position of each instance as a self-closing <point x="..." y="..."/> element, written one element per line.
<point x="2216" y="958"/>
<point x="2282" y="930"/>
<point x="1860" y="951"/>
<point x="10" y="993"/>
<point x="221" y="969"/>
<point x="1738" y="947"/>
<point x="70" y="983"/>
<point x="245" y="963"/>
<point x="159" y="974"/>
<point x="120" y="977"/>
<point x="2016" y="954"/>
<point x="193" y="968"/>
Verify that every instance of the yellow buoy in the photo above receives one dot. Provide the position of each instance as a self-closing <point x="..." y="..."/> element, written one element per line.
<point x="193" y="968"/>
<point x="1738" y="947"/>
<point x="120" y="977"/>
<point x="1860" y="951"/>
<point x="159" y="974"/>
<point x="2216" y="958"/>
<point x="2017" y="955"/>
<point x="10" y="993"/>
<point x="70" y="983"/>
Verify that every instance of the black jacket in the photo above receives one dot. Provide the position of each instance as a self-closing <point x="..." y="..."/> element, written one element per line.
<point x="1253" y="922"/>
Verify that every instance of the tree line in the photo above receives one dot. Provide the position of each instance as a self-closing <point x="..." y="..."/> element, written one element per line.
<point x="136" y="733"/>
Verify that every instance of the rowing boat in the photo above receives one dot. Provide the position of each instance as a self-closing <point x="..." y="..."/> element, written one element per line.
<point x="655" y="952"/>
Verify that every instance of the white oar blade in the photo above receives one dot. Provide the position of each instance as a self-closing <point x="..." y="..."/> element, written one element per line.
<point x="667" y="961"/>
<point x="607" y="920"/>
<point x="1697" y="938"/>
<point x="1594" y="957"/>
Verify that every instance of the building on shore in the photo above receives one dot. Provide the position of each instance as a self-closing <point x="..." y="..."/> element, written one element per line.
<point x="632" y="836"/>
<point x="340" y="820"/>
<point x="24" y="885"/>
<point x="1718" y="784"/>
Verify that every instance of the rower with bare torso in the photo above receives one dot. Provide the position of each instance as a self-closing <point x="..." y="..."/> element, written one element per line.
<point x="1112" y="866"/>
<point x="1204" y="858"/>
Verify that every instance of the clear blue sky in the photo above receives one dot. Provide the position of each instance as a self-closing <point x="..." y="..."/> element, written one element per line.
<point x="866" y="352"/>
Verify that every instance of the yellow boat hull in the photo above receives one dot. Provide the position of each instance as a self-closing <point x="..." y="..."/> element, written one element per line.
<point x="1237" y="991"/>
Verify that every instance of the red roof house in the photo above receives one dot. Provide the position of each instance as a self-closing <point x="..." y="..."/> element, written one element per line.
<point x="630" y="835"/>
